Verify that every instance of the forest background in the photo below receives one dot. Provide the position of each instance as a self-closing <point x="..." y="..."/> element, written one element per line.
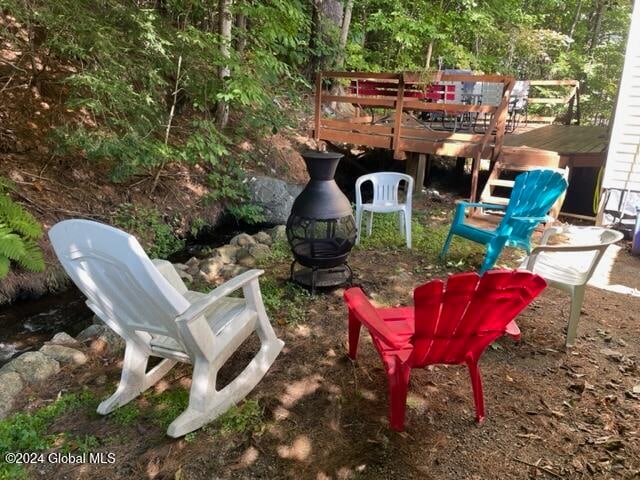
<point x="134" y="88"/>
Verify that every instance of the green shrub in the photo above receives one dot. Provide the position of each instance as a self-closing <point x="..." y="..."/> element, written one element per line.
<point x="156" y="236"/>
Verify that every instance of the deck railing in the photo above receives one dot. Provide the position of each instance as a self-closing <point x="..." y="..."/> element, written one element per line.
<point x="409" y="92"/>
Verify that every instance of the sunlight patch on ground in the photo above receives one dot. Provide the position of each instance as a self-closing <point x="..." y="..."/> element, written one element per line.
<point x="299" y="450"/>
<point x="299" y="389"/>
<point x="602" y="275"/>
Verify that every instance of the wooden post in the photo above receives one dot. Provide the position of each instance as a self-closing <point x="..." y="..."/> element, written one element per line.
<point x="397" y="154"/>
<point x="318" y="112"/>
<point x="417" y="167"/>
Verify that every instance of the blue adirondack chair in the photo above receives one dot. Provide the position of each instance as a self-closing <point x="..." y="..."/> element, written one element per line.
<point x="533" y="195"/>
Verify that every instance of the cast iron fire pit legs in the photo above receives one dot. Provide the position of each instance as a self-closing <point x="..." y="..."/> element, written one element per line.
<point x="329" y="277"/>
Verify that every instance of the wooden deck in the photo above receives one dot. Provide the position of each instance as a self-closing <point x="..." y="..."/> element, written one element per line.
<point x="388" y="110"/>
<point x="577" y="145"/>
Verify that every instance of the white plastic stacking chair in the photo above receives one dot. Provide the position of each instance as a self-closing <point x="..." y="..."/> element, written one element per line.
<point x="148" y="305"/>
<point x="385" y="200"/>
<point x="569" y="267"/>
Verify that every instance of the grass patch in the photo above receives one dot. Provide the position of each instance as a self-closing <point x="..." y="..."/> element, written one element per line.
<point x="427" y="239"/>
<point x="166" y="406"/>
<point x="27" y="432"/>
<point x="285" y="303"/>
<point x="127" y="414"/>
<point x="280" y="252"/>
<point x="246" y="417"/>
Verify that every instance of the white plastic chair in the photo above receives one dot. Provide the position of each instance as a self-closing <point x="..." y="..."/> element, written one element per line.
<point x="148" y="305"/>
<point x="385" y="200"/>
<point x="569" y="267"/>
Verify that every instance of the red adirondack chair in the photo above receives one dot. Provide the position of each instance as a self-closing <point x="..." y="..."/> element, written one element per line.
<point x="450" y="324"/>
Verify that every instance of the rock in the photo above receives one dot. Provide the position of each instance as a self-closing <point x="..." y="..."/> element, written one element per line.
<point x="90" y="332"/>
<point x="185" y="276"/>
<point x="193" y="261"/>
<point x="210" y="267"/>
<point x="247" y="261"/>
<point x="64" y="354"/>
<point x="102" y="338"/>
<point x="274" y="196"/>
<point x="259" y="251"/>
<point x="33" y="366"/>
<point x="63" y="338"/>
<point x="242" y="240"/>
<point x="614" y="355"/>
<point x="278" y="233"/>
<point x="229" y="271"/>
<point x="180" y="267"/>
<point x="11" y="386"/>
<point x="264" y="238"/>
<point x="193" y="266"/>
<point x="227" y="253"/>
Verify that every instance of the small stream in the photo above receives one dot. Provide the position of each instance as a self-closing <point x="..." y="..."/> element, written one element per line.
<point x="26" y="324"/>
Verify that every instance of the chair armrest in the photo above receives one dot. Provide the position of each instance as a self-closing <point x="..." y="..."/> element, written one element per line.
<point x="545" y="218"/>
<point x="360" y="306"/>
<point x="569" y="248"/>
<point x="200" y="307"/>
<point x="481" y="205"/>
<point x="550" y="232"/>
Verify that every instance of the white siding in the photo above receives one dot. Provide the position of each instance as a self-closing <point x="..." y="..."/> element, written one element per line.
<point x="623" y="158"/>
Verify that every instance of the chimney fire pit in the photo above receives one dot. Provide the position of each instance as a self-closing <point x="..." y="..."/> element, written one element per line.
<point x="321" y="229"/>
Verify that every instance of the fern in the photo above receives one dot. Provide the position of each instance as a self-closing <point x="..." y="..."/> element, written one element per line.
<point x="19" y="231"/>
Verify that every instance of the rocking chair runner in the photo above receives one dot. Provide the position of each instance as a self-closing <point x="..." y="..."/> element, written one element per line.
<point x="450" y="323"/>
<point x="148" y="305"/>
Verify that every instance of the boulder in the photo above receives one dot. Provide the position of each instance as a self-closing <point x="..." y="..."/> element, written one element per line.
<point x="33" y="366"/>
<point x="229" y="271"/>
<point x="64" y="354"/>
<point x="247" y="261"/>
<point x="274" y="196"/>
<point x="90" y="332"/>
<point x="210" y="267"/>
<point x="193" y="266"/>
<point x="243" y="240"/>
<point x="227" y="253"/>
<point x="264" y="238"/>
<point x="259" y="251"/>
<point x="185" y="276"/>
<point x="102" y="338"/>
<point x="278" y="233"/>
<point x="11" y="386"/>
<point x="62" y="338"/>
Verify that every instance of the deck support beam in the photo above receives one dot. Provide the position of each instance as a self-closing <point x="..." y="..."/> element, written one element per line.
<point x="417" y="168"/>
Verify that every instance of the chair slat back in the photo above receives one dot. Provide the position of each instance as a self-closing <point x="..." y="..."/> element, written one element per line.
<point x="385" y="186"/>
<point x="533" y="195"/>
<point x="473" y="311"/>
<point x="112" y="270"/>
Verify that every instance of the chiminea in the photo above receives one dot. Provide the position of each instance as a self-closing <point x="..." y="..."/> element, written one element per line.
<point x="321" y="229"/>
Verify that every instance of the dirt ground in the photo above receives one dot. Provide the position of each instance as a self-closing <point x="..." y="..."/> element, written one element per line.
<point x="551" y="412"/>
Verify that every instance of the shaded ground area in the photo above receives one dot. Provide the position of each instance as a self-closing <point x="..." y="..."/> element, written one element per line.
<point x="551" y="413"/>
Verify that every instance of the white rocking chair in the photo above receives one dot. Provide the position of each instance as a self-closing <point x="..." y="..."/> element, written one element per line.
<point x="148" y="305"/>
<point x="569" y="267"/>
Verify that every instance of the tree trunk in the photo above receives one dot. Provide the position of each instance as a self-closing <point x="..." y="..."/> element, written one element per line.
<point x="574" y="24"/>
<point x="344" y="34"/>
<point x="326" y="19"/>
<point x="241" y="26"/>
<point x="225" y="21"/>
<point x="597" y="24"/>
<point x="427" y="62"/>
